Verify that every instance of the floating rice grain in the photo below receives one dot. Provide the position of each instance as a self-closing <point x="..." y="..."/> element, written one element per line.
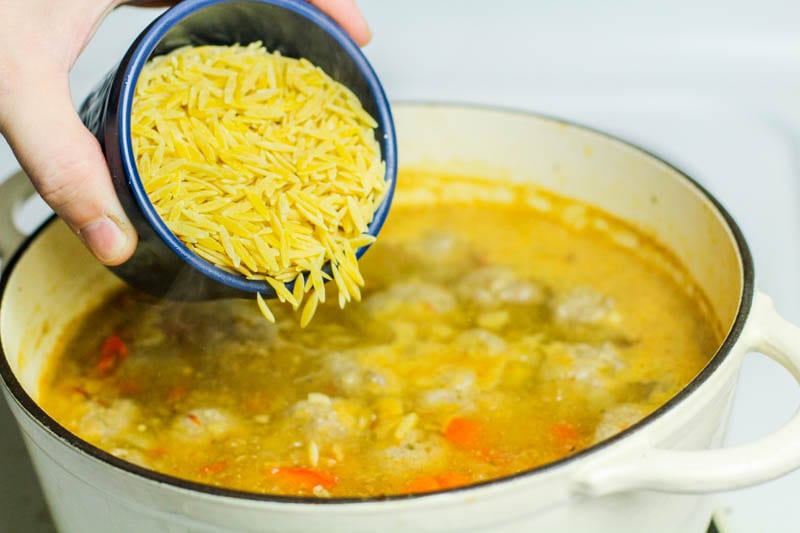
<point x="282" y="292"/>
<point x="406" y="424"/>
<point x="262" y="306"/>
<point x="309" y="309"/>
<point x="313" y="454"/>
<point x="298" y="291"/>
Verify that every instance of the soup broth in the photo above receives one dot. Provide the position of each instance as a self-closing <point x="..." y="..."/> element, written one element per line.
<point x="494" y="335"/>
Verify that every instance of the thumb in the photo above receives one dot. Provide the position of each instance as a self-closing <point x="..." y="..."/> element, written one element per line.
<point x="66" y="165"/>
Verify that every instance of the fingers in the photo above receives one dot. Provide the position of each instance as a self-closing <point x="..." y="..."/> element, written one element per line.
<point x="149" y="3"/>
<point x="348" y="16"/>
<point x="66" y="164"/>
<point x="344" y="12"/>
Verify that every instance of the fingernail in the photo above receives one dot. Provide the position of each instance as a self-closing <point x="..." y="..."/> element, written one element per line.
<point x="105" y="239"/>
<point x="366" y="32"/>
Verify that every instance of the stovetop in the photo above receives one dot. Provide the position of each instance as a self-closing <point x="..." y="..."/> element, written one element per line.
<point x="713" y="86"/>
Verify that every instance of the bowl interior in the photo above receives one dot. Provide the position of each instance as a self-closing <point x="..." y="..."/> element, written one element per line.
<point x="294" y="28"/>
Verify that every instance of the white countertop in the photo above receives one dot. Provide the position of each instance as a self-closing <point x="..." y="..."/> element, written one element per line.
<point x="711" y="85"/>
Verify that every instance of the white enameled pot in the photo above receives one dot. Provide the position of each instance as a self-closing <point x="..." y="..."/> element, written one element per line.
<point x="652" y="477"/>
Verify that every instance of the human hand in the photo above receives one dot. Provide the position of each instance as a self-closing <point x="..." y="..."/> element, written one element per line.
<point x="39" y="43"/>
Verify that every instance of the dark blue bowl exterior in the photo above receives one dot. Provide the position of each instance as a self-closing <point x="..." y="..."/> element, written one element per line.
<point x="162" y="264"/>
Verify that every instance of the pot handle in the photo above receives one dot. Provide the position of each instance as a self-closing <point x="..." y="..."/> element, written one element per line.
<point x="14" y="192"/>
<point x="700" y="471"/>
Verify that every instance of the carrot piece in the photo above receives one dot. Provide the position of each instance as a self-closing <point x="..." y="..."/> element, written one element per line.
<point x="257" y="402"/>
<point x="566" y="435"/>
<point x="81" y="392"/>
<point x="464" y="432"/>
<point x="177" y="393"/>
<point x="471" y="435"/>
<point x="214" y="468"/>
<point x="112" y="353"/>
<point x="129" y="387"/>
<point x="304" y="479"/>
<point x="157" y="452"/>
<point x="194" y="418"/>
<point x="423" y="484"/>
<point x="448" y="480"/>
<point x="564" y="432"/>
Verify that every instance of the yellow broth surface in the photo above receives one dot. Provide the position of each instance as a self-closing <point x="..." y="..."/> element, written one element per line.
<point x="491" y="338"/>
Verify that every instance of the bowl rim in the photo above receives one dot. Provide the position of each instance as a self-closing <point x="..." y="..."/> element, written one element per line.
<point x="49" y="424"/>
<point x="140" y="53"/>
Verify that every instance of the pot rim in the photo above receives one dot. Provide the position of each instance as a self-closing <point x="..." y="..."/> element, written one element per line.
<point x="46" y="422"/>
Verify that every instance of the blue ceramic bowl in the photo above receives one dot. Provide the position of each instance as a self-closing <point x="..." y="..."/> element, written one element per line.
<point x="162" y="264"/>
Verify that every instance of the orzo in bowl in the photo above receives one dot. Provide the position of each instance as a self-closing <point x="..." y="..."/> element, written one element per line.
<point x="262" y="165"/>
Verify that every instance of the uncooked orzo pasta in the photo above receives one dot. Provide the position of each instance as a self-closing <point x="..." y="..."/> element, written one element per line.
<point x="262" y="165"/>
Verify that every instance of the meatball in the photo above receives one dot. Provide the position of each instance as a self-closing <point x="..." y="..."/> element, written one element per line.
<point x="412" y="298"/>
<point x="444" y="254"/>
<point x="480" y="342"/>
<point x="494" y="286"/>
<point x="322" y="419"/>
<point x="583" y="305"/>
<point x="590" y="365"/>
<point x="203" y="424"/>
<point x="101" y="422"/>
<point x="617" y="419"/>
<point x="351" y="377"/>
<point x="453" y="389"/>
<point x="417" y="450"/>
